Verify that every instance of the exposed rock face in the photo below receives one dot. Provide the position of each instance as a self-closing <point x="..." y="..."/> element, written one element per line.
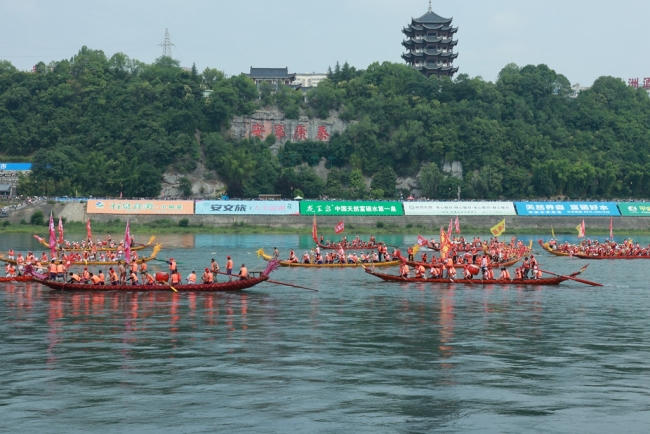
<point x="201" y="188"/>
<point x="263" y="123"/>
<point x="410" y="184"/>
<point x="455" y="169"/>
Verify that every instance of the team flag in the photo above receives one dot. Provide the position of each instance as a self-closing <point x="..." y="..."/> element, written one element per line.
<point x="445" y="245"/>
<point x="89" y="232"/>
<point x="422" y="241"/>
<point x="499" y="229"/>
<point x="611" y="228"/>
<point x="314" y="231"/>
<point x="340" y="227"/>
<point x="127" y="243"/>
<point x="552" y="232"/>
<point x="60" y="230"/>
<point x="451" y="223"/>
<point x="52" y="236"/>
<point x="457" y="226"/>
<point x="581" y="229"/>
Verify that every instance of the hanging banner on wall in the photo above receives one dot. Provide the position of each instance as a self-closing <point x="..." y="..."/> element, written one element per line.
<point x="635" y="209"/>
<point x="567" y="208"/>
<point x="246" y="207"/>
<point x="459" y="208"/>
<point x="124" y="206"/>
<point x="353" y="208"/>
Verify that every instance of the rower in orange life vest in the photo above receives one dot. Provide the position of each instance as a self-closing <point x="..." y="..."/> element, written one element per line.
<point x="74" y="278"/>
<point x="11" y="254"/>
<point x="404" y="270"/>
<point x="505" y="274"/>
<point x="409" y="251"/>
<point x="243" y="272"/>
<point x="176" y="278"/>
<point x="149" y="279"/>
<point x="133" y="277"/>
<point x="208" y="276"/>
<point x="191" y="278"/>
<point x="420" y="272"/>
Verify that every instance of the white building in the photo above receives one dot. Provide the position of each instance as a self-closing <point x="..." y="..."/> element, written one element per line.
<point x="309" y="79"/>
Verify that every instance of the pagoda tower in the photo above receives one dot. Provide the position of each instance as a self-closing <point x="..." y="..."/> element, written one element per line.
<point x="430" y="45"/>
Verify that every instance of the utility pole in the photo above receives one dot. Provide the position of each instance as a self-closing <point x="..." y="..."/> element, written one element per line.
<point x="167" y="45"/>
<point x="459" y="193"/>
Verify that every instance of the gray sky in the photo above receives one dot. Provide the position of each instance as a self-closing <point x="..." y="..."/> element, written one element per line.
<point x="582" y="39"/>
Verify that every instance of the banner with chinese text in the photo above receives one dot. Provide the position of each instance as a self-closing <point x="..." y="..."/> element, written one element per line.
<point x="567" y="209"/>
<point x="352" y="208"/>
<point x="635" y="209"/>
<point x="459" y="208"/>
<point x="124" y="206"/>
<point x="246" y="207"/>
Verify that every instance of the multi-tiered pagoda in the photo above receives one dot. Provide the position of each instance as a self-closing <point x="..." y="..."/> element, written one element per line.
<point x="430" y="45"/>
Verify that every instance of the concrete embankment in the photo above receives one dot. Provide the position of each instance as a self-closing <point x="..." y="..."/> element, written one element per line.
<point x="76" y="212"/>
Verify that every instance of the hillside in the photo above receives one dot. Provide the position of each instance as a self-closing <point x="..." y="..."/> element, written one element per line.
<point x="98" y="126"/>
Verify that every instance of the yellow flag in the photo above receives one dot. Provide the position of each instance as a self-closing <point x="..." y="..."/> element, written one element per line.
<point x="499" y="229"/>
<point x="552" y="232"/>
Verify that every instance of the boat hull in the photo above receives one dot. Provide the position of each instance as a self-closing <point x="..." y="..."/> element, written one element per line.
<point x="235" y="285"/>
<point x="529" y="282"/>
<point x="99" y="249"/>
<point x="546" y="247"/>
<point x="16" y="279"/>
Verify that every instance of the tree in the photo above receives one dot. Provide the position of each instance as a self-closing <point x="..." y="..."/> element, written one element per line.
<point x="430" y="180"/>
<point x="185" y="186"/>
<point x="385" y="180"/>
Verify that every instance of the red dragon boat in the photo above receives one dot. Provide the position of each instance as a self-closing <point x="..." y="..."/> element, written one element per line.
<point x="506" y="264"/>
<point x="548" y="248"/>
<point x="235" y="285"/>
<point x="530" y="282"/>
<point x="23" y="278"/>
<point x="339" y="245"/>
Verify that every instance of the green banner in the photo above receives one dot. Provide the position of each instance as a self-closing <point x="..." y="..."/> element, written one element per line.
<point x="635" y="209"/>
<point x="352" y="208"/>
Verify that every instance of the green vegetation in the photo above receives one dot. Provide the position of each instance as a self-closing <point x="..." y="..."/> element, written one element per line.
<point x="93" y="126"/>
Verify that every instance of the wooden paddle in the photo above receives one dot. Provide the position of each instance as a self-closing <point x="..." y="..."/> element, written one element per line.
<point x="586" y="282"/>
<point x="274" y="281"/>
<point x="174" y="289"/>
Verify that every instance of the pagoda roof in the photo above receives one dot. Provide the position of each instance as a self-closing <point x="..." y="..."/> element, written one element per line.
<point x="432" y="40"/>
<point x="431" y="53"/>
<point x="451" y="69"/>
<point x="431" y="18"/>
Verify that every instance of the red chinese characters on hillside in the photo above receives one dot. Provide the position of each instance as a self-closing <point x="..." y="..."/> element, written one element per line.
<point x="279" y="132"/>
<point x="322" y="135"/>
<point x="258" y="131"/>
<point x="300" y="133"/>
<point x="634" y="82"/>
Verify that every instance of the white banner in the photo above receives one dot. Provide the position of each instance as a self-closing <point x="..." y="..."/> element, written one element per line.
<point x="459" y="208"/>
<point x="246" y="207"/>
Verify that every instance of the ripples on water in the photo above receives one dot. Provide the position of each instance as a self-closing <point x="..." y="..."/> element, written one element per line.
<point x="358" y="356"/>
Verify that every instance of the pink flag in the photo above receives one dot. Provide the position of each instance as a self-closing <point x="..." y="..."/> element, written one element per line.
<point x="451" y="223"/>
<point x="611" y="228"/>
<point x="340" y="227"/>
<point x="52" y="236"/>
<point x="89" y="232"/>
<point x="457" y="226"/>
<point x="60" y="230"/>
<point x="127" y="243"/>
<point x="422" y="241"/>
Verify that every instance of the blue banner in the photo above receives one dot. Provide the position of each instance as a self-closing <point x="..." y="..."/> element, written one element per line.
<point x="15" y="166"/>
<point x="567" y="209"/>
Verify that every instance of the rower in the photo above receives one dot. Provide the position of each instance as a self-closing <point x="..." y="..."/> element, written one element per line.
<point x="305" y="258"/>
<point x="85" y="276"/>
<point x="404" y="270"/>
<point x="243" y="272"/>
<point x="52" y="270"/>
<point x="276" y="253"/>
<point x="505" y="274"/>
<point x="122" y="269"/>
<point x="11" y="254"/>
<point x="74" y="278"/>
<point x="420" y="272"/>
<point x="113" y="277"/>
<point x="207" y="277"/>
<point x="229" y="265"/>
<point x="102" y="278"/>
<point x="149" y="279"/>
<point x="191" y="278"/>
<point x="435" y="272"/>
<point x="94" y="279"/>
<point x="526" y="267"/>
<point x="133" y="278"/>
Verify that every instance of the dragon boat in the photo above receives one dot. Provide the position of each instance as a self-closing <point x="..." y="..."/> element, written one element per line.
<point x="548" y="248"/>
<point x="235" y="285"/>
<point x="529" y="282"/>
<point x="99" y="249"/>
<point x="155" y="252"/>
<point x="23" y="278"/>
<point x="260" y="253"/>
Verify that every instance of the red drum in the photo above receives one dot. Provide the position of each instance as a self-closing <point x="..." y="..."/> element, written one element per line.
<point x="474" y="269"/>
<point x="162" y="277"/>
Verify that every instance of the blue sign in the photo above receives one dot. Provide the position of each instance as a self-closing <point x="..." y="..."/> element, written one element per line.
<point x="567" y="209"/>
<point x="16" y="166"/>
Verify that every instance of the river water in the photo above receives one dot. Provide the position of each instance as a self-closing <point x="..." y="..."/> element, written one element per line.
<point x="358" y="356"/>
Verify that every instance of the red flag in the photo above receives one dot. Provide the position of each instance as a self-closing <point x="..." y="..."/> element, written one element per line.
<point x="89" y="232"/>
<point x="457" y="226"/>
<point x="127" y="243"/>
<point x="52" y="236"/>
<point x="581" y="229"/>
<point x="451" y="222"/>
<point x="60" y="230"/>
<point x="445" y="245"/>
<point x="422" y="241"/>
<point x="314" y="232"/>
<point x="611" y="228"/>
<point x="340" y="227"/>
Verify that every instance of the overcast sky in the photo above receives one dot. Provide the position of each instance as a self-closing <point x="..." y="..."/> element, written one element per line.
<point x="582" y="39"/>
